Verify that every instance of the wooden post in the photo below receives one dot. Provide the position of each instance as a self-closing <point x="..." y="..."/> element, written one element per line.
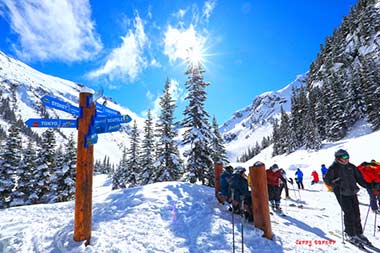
<point x="85" y="160"/>
<point x="218" y="170"/>
<point x="260" y="199"/>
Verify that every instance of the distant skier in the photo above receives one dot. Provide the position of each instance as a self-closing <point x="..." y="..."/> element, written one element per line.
<point x="315" y="176"/>
<point x="323" y="170"/>
<point x="299" y="179"/>
<point x="284" y="184"/>
<point x="274" y="178"/>
<point x="343" y="177"/>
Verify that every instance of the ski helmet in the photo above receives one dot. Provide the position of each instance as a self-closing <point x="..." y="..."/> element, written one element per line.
<point x="341" y="153"/>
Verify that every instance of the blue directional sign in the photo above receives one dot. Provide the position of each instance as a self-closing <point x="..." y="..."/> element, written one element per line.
<point x="90" y="139"/>
<point x="113" y="119"/>
<point x="102" y="110"/>
<point x="52" y="123"/>
<point x="60" y="105"/>
<point x="105" y="128"/>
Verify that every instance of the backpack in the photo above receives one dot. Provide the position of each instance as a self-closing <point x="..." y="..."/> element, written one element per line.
<point x="370" y="172"/>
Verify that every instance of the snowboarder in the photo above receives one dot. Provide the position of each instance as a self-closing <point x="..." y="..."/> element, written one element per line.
<point x="225" y="191"/>
<point x="299" y="179"/>
<point x="343" y="176"/>
<point x="315" y="176"/>
<point x="371" y="174"/>
<point x="274" y="177"/>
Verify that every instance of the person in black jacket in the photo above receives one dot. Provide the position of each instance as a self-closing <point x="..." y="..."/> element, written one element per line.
<point x="343" y="176"/>
<point x="239" y="190"/>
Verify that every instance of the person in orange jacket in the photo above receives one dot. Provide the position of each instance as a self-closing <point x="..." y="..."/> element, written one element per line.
<point x="274" y="178"/>
<point x="315" y="176"/>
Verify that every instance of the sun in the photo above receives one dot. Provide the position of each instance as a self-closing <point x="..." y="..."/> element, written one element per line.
<point x="195" y="55"/>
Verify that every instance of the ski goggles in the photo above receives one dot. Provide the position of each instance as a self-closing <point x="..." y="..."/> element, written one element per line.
<point x="345" y="156"/>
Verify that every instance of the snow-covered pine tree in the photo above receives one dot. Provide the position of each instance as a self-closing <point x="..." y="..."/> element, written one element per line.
<point x="276" y="138"/>
<point x="46" y="164"/>
<point x="285" y="143"/>
<point x="219" y="153"/>
<point x="133" y="162"/>
<point x="168" y="164"/>
<point x="28" y="165"/>
<point x="147" y="154"/>
<point x="121" y="174"/>
<point x="198" y="133"/>
<point x="10" y="162"/>
<point x="67" y="172"/>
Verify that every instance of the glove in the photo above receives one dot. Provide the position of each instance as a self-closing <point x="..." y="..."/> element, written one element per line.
<point x="290" y="180"/>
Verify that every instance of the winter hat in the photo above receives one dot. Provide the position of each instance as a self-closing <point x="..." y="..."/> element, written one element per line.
<point x="239" y="170"/>
<point x="341" y="153"/>
<point x="274" y="167"/>
<point x="229" y="169"/>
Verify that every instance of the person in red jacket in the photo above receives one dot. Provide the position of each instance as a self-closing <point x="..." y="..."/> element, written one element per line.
<point x="274" y="178"/>
<point x="315" y="176"/>
<point x="371" y="174"/>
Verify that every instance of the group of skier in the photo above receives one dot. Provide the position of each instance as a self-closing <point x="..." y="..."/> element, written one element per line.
<point x="342" y="177"/>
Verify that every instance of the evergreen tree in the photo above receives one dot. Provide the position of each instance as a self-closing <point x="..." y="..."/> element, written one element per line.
<point x="46" y="165"/>
<point x="276" y="138"/>
<point x="198" y="134"/>
<point x="168" y="164"/>
<point x="147" y="156"/>
<point x="133" y="163"/>
<point x="28" y="165"/>
<point x="67" y="172"/>
<point x="120" y="176"/>
<point x="10" y="162"/>
<point x="219" y="152"/>
<point x="285" y="143"/>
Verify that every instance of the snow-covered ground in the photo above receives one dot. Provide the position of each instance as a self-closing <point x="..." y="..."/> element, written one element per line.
<point x="182" y="217"/>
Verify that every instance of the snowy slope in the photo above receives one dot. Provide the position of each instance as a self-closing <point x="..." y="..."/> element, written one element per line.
<point x="181" y="217"/>
<point x="250" y="124"/>
<point x="25" y="86"/>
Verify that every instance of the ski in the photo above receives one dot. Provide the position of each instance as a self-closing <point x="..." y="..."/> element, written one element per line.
<point x="307" y="207"/>
<point x="360" y="246"/>
<point x="372" y="247"/>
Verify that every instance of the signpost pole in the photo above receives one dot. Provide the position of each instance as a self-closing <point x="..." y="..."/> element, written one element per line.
<point x="85" y="159"/>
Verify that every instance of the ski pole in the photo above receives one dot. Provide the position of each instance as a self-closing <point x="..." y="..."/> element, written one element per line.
<point x="242" y="223"/>
<point x="374" y="227"/>
<point x="341" y="214"/>
<point x="233" y="223"/>
<point x="365" y="222"/>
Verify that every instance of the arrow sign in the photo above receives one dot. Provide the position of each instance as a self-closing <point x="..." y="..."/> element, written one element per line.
<point x="52" y="123"/>
<point x="101" y="109"/>
<point x="106" y="128"/>
<point x="60" y="105"/>
<point x="113" y="119"/>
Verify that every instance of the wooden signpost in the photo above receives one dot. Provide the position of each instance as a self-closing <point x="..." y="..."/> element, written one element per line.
<point x="93" y="118"/>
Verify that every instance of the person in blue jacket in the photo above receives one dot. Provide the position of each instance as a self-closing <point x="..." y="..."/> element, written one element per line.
<point x="299" y="179"/>
<point x="224" y="183"/>
<point x="323" y="170"/>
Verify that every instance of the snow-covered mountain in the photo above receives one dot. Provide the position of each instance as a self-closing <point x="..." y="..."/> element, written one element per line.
<point x="24" y="86"/>
<point x="250" y="124"/>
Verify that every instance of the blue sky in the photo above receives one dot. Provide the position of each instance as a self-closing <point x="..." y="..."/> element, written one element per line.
<point x="130" y="47"/>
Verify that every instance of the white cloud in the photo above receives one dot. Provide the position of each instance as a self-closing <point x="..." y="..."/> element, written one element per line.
<point x="208" y="8"/>
<point x="180" y="13"/>
<point x="127" y="61"/>
<point x="177" y="42"/>
<point x="49" y="30"/>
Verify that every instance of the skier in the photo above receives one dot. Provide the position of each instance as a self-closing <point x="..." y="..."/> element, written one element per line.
<point x="274" y="177"/>
<point x="315" y="176"/>
<point x="284" y="184"/>
<point x="323" y="170"/>
<point x="299" y="179"/>
<point x="225" y="191"/>
<point x="371" y="174"/>
<point x="343" y="177"/>
<point x="239" y="189"/>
